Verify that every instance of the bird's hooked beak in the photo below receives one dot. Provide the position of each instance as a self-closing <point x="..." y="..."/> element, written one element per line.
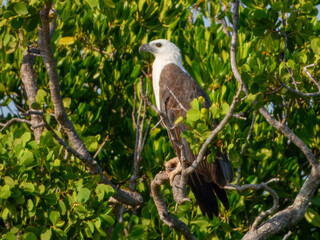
<point x="145" y="48"/>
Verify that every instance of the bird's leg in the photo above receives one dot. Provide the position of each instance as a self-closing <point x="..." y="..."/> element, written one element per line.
<point x="173" y="168"/>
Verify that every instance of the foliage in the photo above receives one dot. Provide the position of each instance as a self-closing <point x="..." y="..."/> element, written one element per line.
<point x="46" y="194"/>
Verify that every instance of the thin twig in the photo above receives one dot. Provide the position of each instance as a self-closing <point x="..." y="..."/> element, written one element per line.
<point x="101" y="146"/>
<point x="134" y="106"/>
<point x="310" y="76"/>
<point x="249" y="133"/>
<point x="316" y="94"/>
<point x="287" y="107"/>
<point x="286" y="237"/>
<point x="177" y="100"/>
<point x="292" y="77"/>
<point x="4" y="125"/>
<point x="257" y="187"/>
<point x="284" y="23"/>
<point x="239" y="116"/>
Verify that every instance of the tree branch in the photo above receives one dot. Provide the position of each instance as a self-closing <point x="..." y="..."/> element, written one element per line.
<point x="296" y="211"/>
<point x="316" y="94"/>
<point x="30" y="86"/>
<point x="5" y="125"/>
<point x="62" y="118"/>
<point x="257" y="187"/>
<point x="160" y="179"/>
<point x="290" y="215"/>
<point x="310" y="76"/>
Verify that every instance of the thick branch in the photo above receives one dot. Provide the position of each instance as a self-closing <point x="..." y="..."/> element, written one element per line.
<point x="292" y="214"/>
<point x="162" y="208"/>
<point x="30" y="86"/>
<point x="296" y="211"/>
<point x="62" y="118"/>
<point x="59" y="109"/>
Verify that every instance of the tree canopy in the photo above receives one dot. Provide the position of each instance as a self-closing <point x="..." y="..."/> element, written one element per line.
<point x="77" y="160"/>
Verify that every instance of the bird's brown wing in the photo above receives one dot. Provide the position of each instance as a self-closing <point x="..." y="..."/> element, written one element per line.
<point x="177" y="90"/>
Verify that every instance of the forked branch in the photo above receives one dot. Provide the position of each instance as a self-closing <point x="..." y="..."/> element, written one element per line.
<point x="62" y="118"/>
<point x="296" y="211"/>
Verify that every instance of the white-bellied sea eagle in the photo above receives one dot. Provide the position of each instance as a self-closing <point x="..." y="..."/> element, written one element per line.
<point x="174" y="89"/>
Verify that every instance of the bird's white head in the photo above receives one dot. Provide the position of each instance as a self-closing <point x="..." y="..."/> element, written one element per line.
<point x="166" y="53"/>
<point x="163" y="50"/>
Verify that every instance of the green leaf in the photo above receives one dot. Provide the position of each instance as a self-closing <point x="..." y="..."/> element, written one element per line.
<point x="83" y="195"/>
<point x="210" y="158"/>
<point x="110" y="220"/>
<point x="93" y="3"/>
<point x="54" y="217"/>
<point x="21" y="8"/>
<point x="66" y="102"/>
<point x="5" y="192"/>
<point x="193" y="115"/>
<point x="26" y="158"/>
<point x="312" y="217"/>
<point x="195" y="104"/>
<point x="26" y="137"/>
<point x="215" y="111"/>
<point x="104" y="190"/>
<point x="9" y="181"/>
<point x="6" y="39"/>
<point x="260" y="14"/>
<point x="315" y="45"/>
<point x="109" y="3"/>
<point x="51" y="199"/>
<point x="46" y="234"/>
<point x="137" y="232"/>
<point x="17" y="22"/>
<point x="27" y="187"/>
<point x="7" y="14"/>
<point x="62" y="207"/>
<point x="224" y="108"/>
<point x="41" y="96"/>
<point x="30" y="205"/>
<point x="29" y="236"/>
<point x="67" y="40"/>
<point x="36" y="106"/>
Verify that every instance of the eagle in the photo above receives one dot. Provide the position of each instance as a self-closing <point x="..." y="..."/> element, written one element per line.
<point x="174" y="90"/>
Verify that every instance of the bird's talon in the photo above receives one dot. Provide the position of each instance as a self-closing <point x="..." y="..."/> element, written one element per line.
<point x="173" y="168"/>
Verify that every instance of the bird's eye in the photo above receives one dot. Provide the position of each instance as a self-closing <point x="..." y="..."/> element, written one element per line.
<point x="159" y="45"/>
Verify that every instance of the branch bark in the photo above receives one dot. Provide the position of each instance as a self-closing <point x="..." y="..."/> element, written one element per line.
<point x="78" y="145"/>
<point x="30" y="86"/>
<point x="295" y="212"/>
<point x="160" y="179"/>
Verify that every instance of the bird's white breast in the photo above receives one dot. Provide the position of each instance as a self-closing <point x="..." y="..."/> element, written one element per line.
<point x="157" y="67"/>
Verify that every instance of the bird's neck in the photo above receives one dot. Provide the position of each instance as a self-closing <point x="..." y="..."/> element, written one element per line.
<point x="159" y="63"/>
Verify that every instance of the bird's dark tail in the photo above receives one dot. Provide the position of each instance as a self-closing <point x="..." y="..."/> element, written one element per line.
<point x="205" y="193"/>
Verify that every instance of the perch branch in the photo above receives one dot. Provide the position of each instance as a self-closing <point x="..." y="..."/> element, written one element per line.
<point x="160" y="179"/>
